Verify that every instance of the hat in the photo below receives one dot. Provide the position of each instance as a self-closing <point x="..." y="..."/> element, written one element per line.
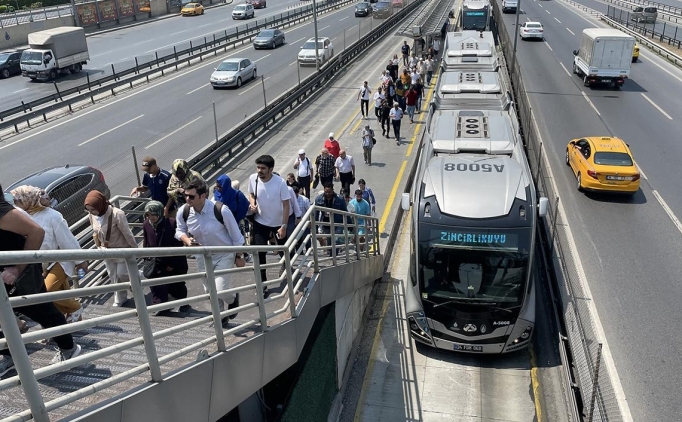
<point x="148" y="161"/>
<point x="331" y="135"/>
<point x="301" y="151"/>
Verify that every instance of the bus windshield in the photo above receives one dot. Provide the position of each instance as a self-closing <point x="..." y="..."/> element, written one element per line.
<point x="476" y="19"/>
<point x="474" y="266"/>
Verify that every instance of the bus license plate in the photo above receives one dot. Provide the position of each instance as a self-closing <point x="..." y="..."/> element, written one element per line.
<point x="467" y="348"/>
<point x="619" y="178"/>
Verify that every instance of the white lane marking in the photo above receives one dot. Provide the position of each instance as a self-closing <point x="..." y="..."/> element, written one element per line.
<point x="663" y="69"/>
<point x="641" y="172"/>
<point x="20" y="90"/>
<point x="292" y="63"/>
<point x="668" y="211"/>
<point x="195" y="90"/>
<point x="573" y="33"/>
<point x="557" y="20"/>
<point x="548" y="12"/>
<point x="657" y="106"/>
<point x="267" y="55"/>
<point x="590" y="103"/>
<point x="322" y="29"/>
<point x="298" y="40"/>
<point x="350" y="28"/>
<point x="172" y="133"/>
<point x="110" y="130"/>
<point x="207" y="24"/>
<point x="566" y="70"/>
<point x="592" y="308"/>
<point x="244" y="91"/>
<point x="165" y="81"/>
<point x="547" y="44"/>
<point x="528" y="19"/>
<point x="539" y="5"/>
<point x="176" y="33"/>
<point x="343" y="19"/>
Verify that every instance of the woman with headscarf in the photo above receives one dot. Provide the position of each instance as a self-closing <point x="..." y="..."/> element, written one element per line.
<point x="159" y="232"/>
<point x="181" y="175"/>
<point x="110" y="229"/>
<point x="36" y="203"/>
<point x="227" y="192"/>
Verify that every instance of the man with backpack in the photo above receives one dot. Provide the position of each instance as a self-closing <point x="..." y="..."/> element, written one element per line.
<point x="201" y="222"/>
<point x="304" y="172"/>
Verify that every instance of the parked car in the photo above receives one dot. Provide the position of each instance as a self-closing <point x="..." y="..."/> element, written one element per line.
<point x="233" y="72"/>
<point x="531" y="30"/>
<point x="67" y="186"/>
<point x="363" y="9"/>
<point x="9" y="63"/>
<point x="192" y="9"/>
<point x="243" y="11"/>
<point x="257" y="4"/>
<point x="268" y="38"/>
<point x="325" y="50"/>
<point x="382" y="10"/>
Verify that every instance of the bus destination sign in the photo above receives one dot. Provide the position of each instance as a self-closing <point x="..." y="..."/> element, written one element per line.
<point x="481" y="239"/>
<point x="473" y="13"/>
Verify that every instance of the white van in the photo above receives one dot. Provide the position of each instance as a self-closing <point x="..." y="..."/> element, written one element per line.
<point x="509" y="5"/>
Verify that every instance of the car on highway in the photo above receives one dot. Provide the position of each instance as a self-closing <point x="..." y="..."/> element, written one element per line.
<point x="269" y="38"/>
<point x="9" y="63"/>
<point x="257" y="4"/>
<point x="192" y="9"/>
<point x="532" y="30"/>
<point x="233" y="72"/>
<point x="243" y="11"/>
<point x="67" y="187"/>
<point x="325" y="50"/>
<point x="635" y="53"/>
<point x="603" y="164"/>
<point x="363" y="9"/>
<point x="381" y="10"/>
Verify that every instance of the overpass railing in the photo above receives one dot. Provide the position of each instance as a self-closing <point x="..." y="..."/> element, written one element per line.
<point x="302" y="257"/>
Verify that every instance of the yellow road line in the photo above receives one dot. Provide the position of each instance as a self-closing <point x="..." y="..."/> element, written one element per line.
<point x="536" y="383"/>
<point x="391" y="197"/>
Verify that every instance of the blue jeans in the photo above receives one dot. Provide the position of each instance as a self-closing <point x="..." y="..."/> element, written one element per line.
<point x="410" y="111"/>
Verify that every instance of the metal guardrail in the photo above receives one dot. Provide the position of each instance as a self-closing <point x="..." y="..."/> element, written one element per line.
<point x="592" y="379"/>
<point x="31" y="15"/>
<point x="154" y="65"/>
<point x="306" y="260"/>
<point x="645" y="30"/>
<point x="675" y="16"/>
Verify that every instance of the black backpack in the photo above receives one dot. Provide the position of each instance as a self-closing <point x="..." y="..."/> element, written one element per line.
<point x="217" y="211"/>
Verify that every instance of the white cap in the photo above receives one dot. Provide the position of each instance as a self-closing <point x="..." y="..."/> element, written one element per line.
<point x="301" y="151"/>
<point x="331" y="134"/>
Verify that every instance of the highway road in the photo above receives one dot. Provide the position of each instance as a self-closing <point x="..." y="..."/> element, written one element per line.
<point x="122" y="46"/>
<point x="171" y="118"/>
<point x="8" y="19"/>
<point x="628" y="249"/>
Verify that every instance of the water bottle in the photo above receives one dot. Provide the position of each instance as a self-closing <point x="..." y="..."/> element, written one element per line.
<point x="81" y="273"/>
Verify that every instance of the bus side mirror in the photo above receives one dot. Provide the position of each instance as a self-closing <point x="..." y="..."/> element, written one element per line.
<point x="543" y="205"/>
<point x="575" y="52"/>
<point x="405" y="202"/>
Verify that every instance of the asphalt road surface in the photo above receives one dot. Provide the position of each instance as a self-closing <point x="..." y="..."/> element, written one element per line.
<point x="119" y="48"/>
<point x="628" y="248"/>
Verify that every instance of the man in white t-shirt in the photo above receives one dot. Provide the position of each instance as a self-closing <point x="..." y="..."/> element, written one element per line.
<point x="345" y="170"/>
<point x="304" y="172"/>
<point x="269" y="197"/>
<point x="364" y="95"/>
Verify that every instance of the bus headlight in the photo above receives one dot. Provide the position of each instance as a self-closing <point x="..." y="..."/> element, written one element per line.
<point x="419" y="327"/>
<point x="525" y="335"/>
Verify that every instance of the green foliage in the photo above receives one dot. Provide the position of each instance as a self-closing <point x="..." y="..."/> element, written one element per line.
<point x="3" y="8"/>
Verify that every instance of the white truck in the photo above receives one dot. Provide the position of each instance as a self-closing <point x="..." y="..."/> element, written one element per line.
<point x="509" y="5"/>
<point x="53" y="51"/>
<point x="605" y="57"/>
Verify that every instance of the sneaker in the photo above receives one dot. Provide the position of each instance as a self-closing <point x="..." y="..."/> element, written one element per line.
<point x="164" y="313"/>
<point x="234" y="304"/>
<point x="75" y="316"/>
<point x="397" y="142"/>
<point x="64" y="355"/>
<point x="6" y="364"/>
<point x="185" y="308"/>
<point x="247" y="258"/>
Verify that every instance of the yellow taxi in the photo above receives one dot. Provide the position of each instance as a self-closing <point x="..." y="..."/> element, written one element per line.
<point x="192" y="9"/>
<point x="603" y="164"/>
<point x="635" y="53"/>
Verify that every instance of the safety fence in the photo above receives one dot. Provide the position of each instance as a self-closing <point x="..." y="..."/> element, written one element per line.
<point x="312" y="246"/>
<point x="662" y="32"/>
<point x="16" y="17"/>
<point x="594" y="387"/>
<point x="141" y="69"/>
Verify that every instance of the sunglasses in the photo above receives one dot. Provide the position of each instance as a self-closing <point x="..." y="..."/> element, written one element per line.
<point x="192" y="197"/>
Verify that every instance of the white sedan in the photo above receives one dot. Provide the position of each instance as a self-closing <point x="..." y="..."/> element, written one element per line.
<point x="531" y="30"/>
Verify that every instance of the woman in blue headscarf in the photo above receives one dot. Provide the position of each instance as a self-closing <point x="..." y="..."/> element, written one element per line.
<point x="235" y="200"/>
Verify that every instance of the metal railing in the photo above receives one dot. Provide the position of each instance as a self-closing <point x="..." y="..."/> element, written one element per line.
<point x="599" y="401"/>
<point x="663" y="33"/>
<point x="299" y="261"/>
<point x="29" y="15"/>
<point x="147" y="66"/>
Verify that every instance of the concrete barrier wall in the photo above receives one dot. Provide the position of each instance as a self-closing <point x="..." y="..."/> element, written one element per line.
<point x="158" y="7"/>
<point x="17" y="35"/>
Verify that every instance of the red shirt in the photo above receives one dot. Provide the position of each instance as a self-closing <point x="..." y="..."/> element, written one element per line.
<point x="333" y="147"/>
<point x="411" y="97"/>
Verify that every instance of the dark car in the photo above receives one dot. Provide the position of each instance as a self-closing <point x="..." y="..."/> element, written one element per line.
<point x="363" y="9"/>
<point x="268" y="38"/>
<point x="67" y="186"/>
<point x="258" y="4"/>
<point x="9" y="63"/>
<point x="382" y="9"/>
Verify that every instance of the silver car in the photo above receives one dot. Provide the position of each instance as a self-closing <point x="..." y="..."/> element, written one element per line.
<point x="269" y="38"/>
<point x="233" y="72"/>
<point x="243" y="11"/>
<point x="325" y="49"/>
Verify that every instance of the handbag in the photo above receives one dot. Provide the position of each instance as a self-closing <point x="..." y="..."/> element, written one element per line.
<point x="153" y="266"/>
<point x="374" y="140"/>
<point x="29" y="281"/>
<point x="316" y="181"/>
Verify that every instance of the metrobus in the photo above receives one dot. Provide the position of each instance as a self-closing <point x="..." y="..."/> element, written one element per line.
<point x="474" y="213"/>
<point x="475" y="15"/>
